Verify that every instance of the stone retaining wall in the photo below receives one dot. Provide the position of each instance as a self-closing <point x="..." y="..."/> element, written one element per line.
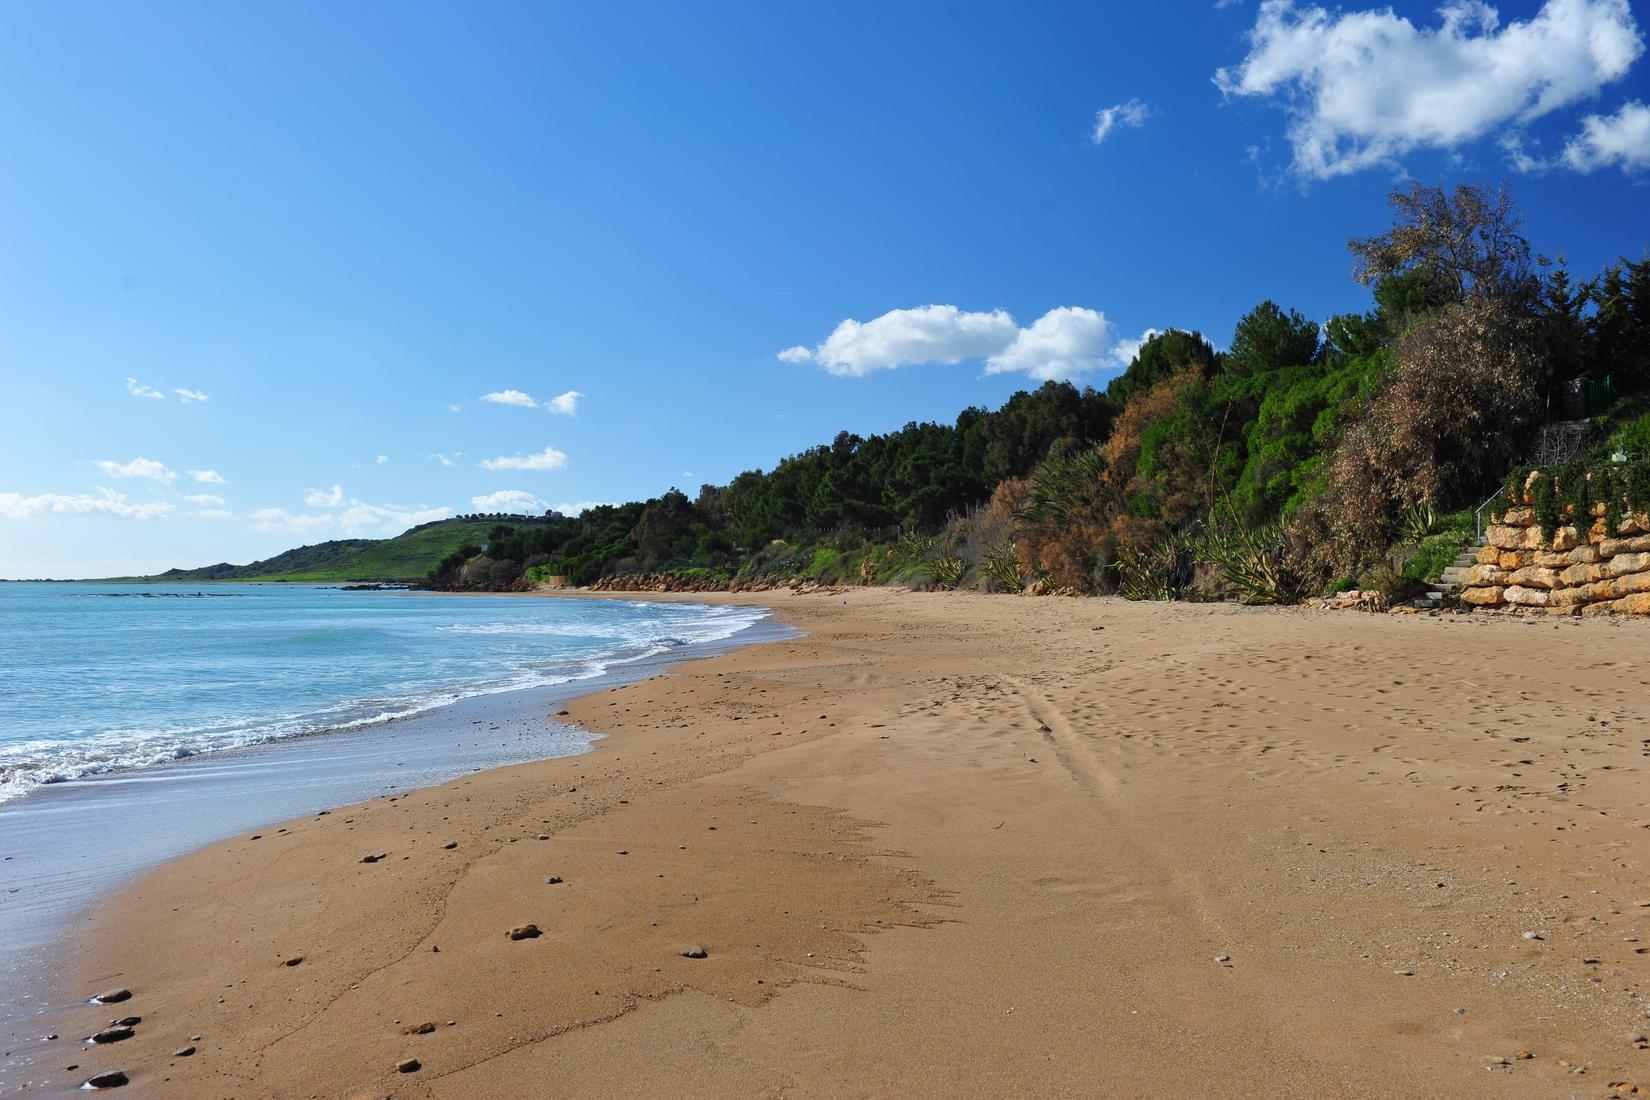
<point x="1579" y="571"/>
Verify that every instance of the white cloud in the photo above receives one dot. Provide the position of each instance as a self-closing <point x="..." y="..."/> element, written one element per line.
<point x="188" y="395"/>
<point x="203" y="499"/>
<point x="547" y="459"/>
<point x="580" y="507"/>
<point x="107" y="503"/>
<point x="565" y="404"/>
<point x="454" y="408"/>
<point x="448" y="460"/>
<point x="361" y="518"/>
<point x="382" y="460"/>
<point x="322" y="498"/>
<point x="138" y="389"/>
<point x="1365" y="87"/>
<point x="1064" y="342"/>
<point x="279" y="520"/>
<point x="510" y="397"/>
<point x="902" y="337"/>
<point x="214" y="513"/>
<point x="138" y="467"/>
<point x="208" y="477"/>
<point x="1618" y="140"/>
<point x="1131" y="114"/>
<point x="509" y="500"/>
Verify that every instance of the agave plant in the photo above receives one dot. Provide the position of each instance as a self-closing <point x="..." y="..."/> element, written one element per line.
<point x="945" y="570"/>
<point x="1002" y="568"/>
<point x="912" y="545"/>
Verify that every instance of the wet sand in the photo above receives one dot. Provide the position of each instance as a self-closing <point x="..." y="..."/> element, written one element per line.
<point x="956" y="845"/>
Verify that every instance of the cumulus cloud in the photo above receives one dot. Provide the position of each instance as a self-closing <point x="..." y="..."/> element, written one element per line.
<point x="359" y="519"/>
<point x="1063" y="343"/>
<point x="1131" y="114"/>
<point x="448" y="460"/>
<point x="214" y="513"/>
<point x="382" y="460"/>
<point x="188" y="395"/>
<point x="577" y="508"/>
<point x="208" y="477"/>
<point x="107" y="502"/>
<point x="323" y="498"/>
<point x="138" y="467"/>
<point x="509" y="500"/>
<point x="1364" y="87"/>
<point x="1621" y="140"/>
<point x="565" y="404"/>
<point x="547" y="459"/>
<point x="510" y="397"/>
<point x="203" y="499"/>
<point x="138" y="389"/>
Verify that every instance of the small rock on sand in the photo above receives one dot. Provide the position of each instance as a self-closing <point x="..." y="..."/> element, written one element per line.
<point x="113" y="996"/>
<point x="374" y="859"/>
<point x="450" y="845"/>
<point x="695" y="952"/>
<point x="294" y="961"/>
<point x="1223" y="958"/>
<point x="524" y="932"/>
<point x="418" y="1029"/>
<point x="553" y="880"/>
<point x="184" y="1052"/>
<point x="113" y="1079"/>
<point x="1534" y="936"/>
<point x="408" y="1065"/>
<point x="115" y="1034"/>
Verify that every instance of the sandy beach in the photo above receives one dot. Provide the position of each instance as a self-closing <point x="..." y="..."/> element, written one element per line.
<point x="954" y="845"/>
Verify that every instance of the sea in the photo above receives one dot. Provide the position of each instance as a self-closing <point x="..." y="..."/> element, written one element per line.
<point x="139" y="722"/>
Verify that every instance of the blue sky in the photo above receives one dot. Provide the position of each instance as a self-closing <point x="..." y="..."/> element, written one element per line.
<point x="722" y="228"/>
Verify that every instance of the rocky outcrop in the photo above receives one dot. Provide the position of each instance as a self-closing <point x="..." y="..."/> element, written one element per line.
<point x="670" y="582"/>
<point x="1579" y="571"/>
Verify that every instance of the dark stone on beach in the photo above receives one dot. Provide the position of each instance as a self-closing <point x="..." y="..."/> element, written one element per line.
<point x="450" y="845"/>
<point x="563" y="713"/>
<point x="374" y="859"/>
<point x="544" y="836"/>
<point x="294" y="961"/>
<point x="524" y="932"/>
<point x="126" y="1021"/>
<point x="114" y="1034"/>
<point x="184" y="1052"/>
<point x="695" y="952"/>
<point x="553" y="880"/>
<point x="408" y="1065"/>
<point x="418" y="1029"/>
<point x="113" y="1079"/>
<point x="113" y="997"/>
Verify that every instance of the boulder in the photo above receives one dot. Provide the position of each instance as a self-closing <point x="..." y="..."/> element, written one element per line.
<point x="1585" y="554"/>
<point x="1568" y="597"/>
<point x="1636" y="604"/>
<point x="1580" y="574"/>
<point x="1514" y="538"/>
<point x="1487" y="555"/>
<point x="1602" y="590"/>
<point x="1551" y="559"/>
<point x="1486" y="596"/>
<point x="1518" y="517"/>
<point x="1565" y="538"/>
<point x="1513" y="559"/>
<point x="1593" y="610"/>
<point x="1534" y="576"/>
<point x="1519" y="596"/>
<point x="1611" y="547"/>
<point x="1632" y="583"/>
<point x="1623" y="564"/>
<point x="1634" y="523"/>
<point x="1476" y="575"/>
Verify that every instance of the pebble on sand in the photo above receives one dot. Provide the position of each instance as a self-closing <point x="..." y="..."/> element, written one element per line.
<point x="1223" y="958"/>
<point x="374" y="859"/>
<point x="112" y="1079"/>
<point x="1534" y="936"/>
<point x="184" y="1052"/>
<point x="408" y="1065"/>
<point x="116" y="1034"/>
<point x="450" y="845"/>
<point x="113" y="996"/>
<point x="695" y="952"/>
<point x="553" y="880"/>
<point x="524" y="932"/>
<point x="418" y="1029"/>
<point x="294" y="961"/>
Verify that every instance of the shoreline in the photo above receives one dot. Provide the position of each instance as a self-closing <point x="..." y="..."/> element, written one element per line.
<point x="68" y="849"/>
<point x="927" y="859"/>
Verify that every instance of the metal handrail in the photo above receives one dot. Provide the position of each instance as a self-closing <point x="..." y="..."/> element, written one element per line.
<point x="1478" y="513"/>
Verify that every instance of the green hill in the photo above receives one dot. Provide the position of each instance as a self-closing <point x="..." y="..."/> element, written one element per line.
<point x="406" y="557"/>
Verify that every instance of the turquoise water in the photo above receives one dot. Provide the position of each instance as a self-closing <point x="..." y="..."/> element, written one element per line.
<point x="95" y="678"/>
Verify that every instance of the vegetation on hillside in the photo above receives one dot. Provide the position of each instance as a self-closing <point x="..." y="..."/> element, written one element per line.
<point x="1304" y="457"/>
